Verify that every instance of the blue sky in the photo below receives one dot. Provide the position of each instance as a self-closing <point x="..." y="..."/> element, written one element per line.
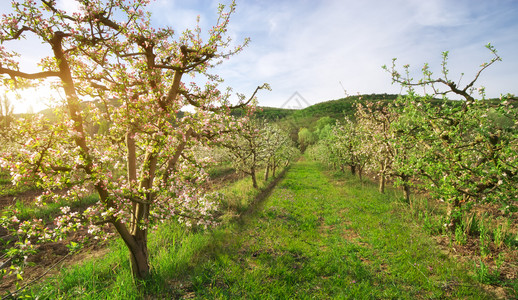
<point x="310" y="47"/>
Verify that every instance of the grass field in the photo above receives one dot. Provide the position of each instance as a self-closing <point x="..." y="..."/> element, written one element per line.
<point x="319" y="235"/>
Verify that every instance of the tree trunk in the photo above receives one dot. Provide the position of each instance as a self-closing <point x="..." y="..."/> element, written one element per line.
<point x="138" y="251"/>
<point x="353" y="169"/>
<point x="383" y="178"/>
<point x="454" y="214"/>
<point x="254" y="179"/>
<point x="406" y="189"/>
<point x="266" y="172"/>
<point x="382" y="183"/>
<point x="273" y="170"/>
<point x="137" y="246"/>
<point x="139" y="257"/>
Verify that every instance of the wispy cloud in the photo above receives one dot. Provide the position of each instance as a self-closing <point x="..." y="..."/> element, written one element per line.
<point x="309" y="46"/>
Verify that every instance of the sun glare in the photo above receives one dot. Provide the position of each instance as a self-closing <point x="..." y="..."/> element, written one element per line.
<point x="32" y="100"/>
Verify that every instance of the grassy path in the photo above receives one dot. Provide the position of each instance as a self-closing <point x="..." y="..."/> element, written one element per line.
<point x="318" y="235"/>
<point x="322" y="235"/>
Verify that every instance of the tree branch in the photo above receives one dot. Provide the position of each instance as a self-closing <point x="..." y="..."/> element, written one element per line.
<point x="40" y="75"/>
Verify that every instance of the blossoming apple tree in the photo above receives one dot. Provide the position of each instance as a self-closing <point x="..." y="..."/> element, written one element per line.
<point x="468" y="149"/>
<point x="279" y="147"/>
<point x="115" y="69"/>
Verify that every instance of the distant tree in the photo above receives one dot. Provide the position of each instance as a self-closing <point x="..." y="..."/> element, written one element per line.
<point x="6" y="114"/>
<point x="246" y="147"/>
<point x="305" y="138"/>
<point x="279" y="148"/>
<point x="375" y="119"/>
<point x="349" y="139"/>
<point x="322" y="127"/>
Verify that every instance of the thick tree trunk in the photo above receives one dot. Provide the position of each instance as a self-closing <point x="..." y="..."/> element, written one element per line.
<point x="139" y="257"/>
<point x="353" y="170"/>
<point x="273" y="170"/>
<point x="137" y="246"/>
<point x="267" y="172"/>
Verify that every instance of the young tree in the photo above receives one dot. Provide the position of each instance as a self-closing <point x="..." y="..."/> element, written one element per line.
<point x="305" y="138"/>
<point x="132" y="75"/>
<point x="279" y="147"/>
<point x="246" y="147"/>
<point x="375" y="118"/>
<point x="465" y="156"/>
<point x="349" y="138"/>
<point x="6" y="114"/>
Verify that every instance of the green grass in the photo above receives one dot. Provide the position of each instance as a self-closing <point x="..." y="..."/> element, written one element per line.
<point x="238" y="196"/>
<point x="329" y="236"/>
<point x="173" y="248"/>
<point x="8" y="189"/>
<point x="318" y="235"/>
<point x="48" y="211"/>
<point x="220" y="170"/>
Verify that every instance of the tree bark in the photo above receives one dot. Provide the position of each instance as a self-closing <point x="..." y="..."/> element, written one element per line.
<point x="382" y="181"/>
<point x="137" y="245"/>
<point x="383" y="178"/>
<point x="139" y="257"/>
<point x="453" y="214"/>
<point x="406" y="190"/>
<point x="254" y="179"/>
<point x="266" y="172"/>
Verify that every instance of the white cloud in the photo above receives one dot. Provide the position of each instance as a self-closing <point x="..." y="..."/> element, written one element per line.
<point x="311" y="46"/>
<point x="70" y="6"/>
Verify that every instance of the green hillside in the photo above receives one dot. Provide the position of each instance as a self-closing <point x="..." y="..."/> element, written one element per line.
<point x="292" y="120"/>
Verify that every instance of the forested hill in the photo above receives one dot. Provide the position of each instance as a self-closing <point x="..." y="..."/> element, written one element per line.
<point x="336" y="109"/>
<point x="307" y="117"/>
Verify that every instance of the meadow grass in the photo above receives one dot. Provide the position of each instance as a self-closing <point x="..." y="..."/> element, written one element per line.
<point x="173" y="247"/>
<point x="48" y="211"/>
<point x="319" y="235"/>
<point x="329" y="236"/>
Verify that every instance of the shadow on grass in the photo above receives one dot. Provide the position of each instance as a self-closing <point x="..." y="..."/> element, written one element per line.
<point x="220" y="241"/>
<point x="259" y="199"/>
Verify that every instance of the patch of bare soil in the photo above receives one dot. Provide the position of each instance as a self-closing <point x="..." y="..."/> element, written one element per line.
<point x="224" y="179"/>
<point x="503" y="269"/>
<point x="49" y="257"/>
<point x="26" y="196"/>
